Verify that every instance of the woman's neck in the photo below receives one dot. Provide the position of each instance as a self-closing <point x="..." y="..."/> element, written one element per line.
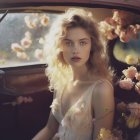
<point x="80" y="74"/>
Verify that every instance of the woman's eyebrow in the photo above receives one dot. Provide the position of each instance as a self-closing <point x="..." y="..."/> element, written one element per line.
<point x="84" y="39"/>
<point x="66" y="39"/>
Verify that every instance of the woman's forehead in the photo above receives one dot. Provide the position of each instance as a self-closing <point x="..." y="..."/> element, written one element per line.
<point x="77" y="33"/>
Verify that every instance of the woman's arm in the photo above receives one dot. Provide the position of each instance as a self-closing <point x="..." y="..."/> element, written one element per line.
<point x="49" y="130"/>
<point x="103" y="105"/>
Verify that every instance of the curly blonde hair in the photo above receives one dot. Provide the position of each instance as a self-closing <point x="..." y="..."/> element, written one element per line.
<point x="58" y="71"/>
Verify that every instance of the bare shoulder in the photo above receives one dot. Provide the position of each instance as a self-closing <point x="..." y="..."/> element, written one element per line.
<point x="103" y="97"/>
<point x="104" y="86"/>
<point x="103" y="91"/>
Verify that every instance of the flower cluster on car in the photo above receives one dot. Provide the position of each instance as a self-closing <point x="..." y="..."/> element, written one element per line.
<point x="121" y="25"/>
<point x="21" y="48"/>
<point x="130" y="79"/>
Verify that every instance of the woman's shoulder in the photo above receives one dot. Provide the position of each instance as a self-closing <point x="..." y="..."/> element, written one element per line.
<point x="101" y="82"/>
<point x="103" y="94"/>
<point x="103" y="87"/>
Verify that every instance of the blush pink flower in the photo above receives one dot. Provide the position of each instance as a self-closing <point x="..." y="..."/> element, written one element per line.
<point x="31" y="23"/>
<point x="107" y="30"/>
<point x="130" y="72"/>
<point x="121" y="17"/>
<point x="38" y="54"/>
<point x="44" y="20"/>
<point x="26" y="43"/>
<point x="125" y="36"/>
<point x="16" y="47"/>
<point x="126" y="83"/>
<point x="137" y="76"/>
<point x="22" y="56"/>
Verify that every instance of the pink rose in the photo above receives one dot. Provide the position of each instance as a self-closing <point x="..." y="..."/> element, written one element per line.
<point x="125" y="36"/>
<point x="137" y="75"/>
<point x="130" y="72"/>
<point x="126" y="83"/>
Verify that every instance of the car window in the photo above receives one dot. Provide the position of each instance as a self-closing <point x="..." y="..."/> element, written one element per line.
<point x="23" y="35"/>
<point x="22" y="38"/>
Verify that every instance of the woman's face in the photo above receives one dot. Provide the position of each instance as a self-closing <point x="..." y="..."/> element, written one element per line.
<point x="76" y="47"/>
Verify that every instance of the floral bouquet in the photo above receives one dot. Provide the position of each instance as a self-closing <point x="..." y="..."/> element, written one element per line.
<point x="120" y="25"/>
<point x="130" y="79"/>
<point x="106" y="134"/>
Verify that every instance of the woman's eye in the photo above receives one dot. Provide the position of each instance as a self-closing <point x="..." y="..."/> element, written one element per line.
<point x="83" y="43"/>
<point x="68" y="43"/>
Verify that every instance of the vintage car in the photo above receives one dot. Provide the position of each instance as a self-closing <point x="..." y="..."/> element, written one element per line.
<point x="24" y="95"/>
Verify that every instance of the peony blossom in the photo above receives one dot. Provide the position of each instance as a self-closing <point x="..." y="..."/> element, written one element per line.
<point x="16" y="47"/>
<point x="44" y="20"/>
<point x="137" y="76"/>
<point x="122" y="18"/>
<point x="38" y="54"/>
<point x="129" y="33"/>
<point x="119" y="25"/>
<point x="22" y="55"/>
<point x="30" y="23"/>
<point x="126" y="83"/>
<point x="107" y="30"/>
<point x="26" y="42"/>
<point x="124" y="36"/>
<point x="130" y="72"/>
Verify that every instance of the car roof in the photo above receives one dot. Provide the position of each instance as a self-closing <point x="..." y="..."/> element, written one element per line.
<point x="133" y="4"/>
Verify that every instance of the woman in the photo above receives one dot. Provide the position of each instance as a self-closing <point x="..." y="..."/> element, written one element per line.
<point x="79" y="76"/>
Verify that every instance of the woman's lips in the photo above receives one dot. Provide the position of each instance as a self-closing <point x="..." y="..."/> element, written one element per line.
<point x="76" y="59"/>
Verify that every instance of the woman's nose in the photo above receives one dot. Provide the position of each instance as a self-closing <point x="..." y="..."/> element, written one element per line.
<point x="76" y="49"/>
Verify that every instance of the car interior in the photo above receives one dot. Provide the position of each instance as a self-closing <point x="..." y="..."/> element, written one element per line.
<point x="25" y="98"/>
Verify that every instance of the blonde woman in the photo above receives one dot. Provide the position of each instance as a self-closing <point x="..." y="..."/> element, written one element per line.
<point x="80" y="79"/>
